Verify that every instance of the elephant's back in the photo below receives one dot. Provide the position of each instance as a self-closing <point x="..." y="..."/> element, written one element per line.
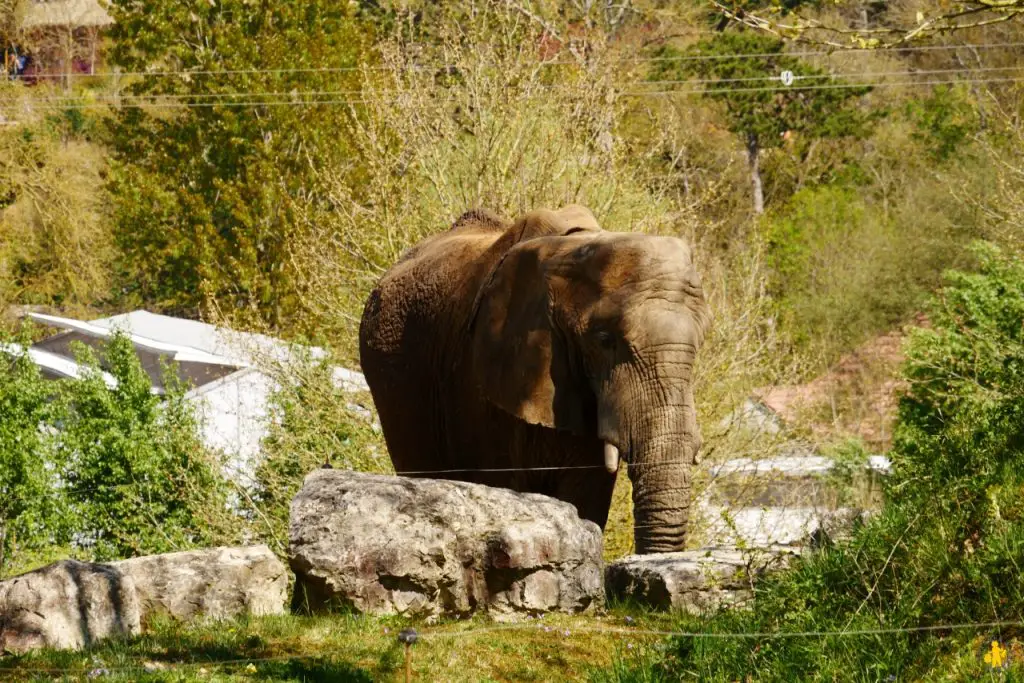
<point x="428" y="294"/>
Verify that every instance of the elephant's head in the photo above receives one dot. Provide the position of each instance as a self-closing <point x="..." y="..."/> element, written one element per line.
<point x="595" y="332"/>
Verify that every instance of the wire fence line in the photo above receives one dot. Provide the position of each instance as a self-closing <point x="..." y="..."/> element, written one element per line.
<point x="715" y="472"/>
<point x="534" y="626"/>
<point x="623" y="60"/>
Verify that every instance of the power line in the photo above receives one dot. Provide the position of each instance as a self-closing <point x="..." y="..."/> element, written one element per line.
<point x="75" y="490"/>
<point x="639" y="60"/>
<point x="831" y="86"/>
<point x="829" y="53"/>
<point x="860" y="74"/>
<point x="156" y="98"/>
<point x="638" y="93"/>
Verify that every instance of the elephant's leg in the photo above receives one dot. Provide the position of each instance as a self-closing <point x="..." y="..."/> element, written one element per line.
<point x="590" y="491"/>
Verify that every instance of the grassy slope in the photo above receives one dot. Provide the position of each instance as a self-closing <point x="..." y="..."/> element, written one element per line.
<point x="355" y="648"/>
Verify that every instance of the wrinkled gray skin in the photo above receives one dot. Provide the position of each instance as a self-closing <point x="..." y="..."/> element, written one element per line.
<point x="546" y="342"/>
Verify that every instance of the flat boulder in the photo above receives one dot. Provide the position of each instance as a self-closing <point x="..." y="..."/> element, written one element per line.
<point x="386" y="545"/>
<point x="66" y="605"/>
<point x="695" y="581"/>
<point x="214" y="583"/>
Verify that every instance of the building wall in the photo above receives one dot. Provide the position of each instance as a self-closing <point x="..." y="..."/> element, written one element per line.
<point x="235" y="419"/>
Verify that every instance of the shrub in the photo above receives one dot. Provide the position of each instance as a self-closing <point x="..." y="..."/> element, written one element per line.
<point x="961" y="427"/>
<point x="136" y="475"/>
<point x="56" y="247"/>
<point x="29" y="502"/>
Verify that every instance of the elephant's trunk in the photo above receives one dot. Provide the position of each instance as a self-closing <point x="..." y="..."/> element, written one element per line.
<point x="661" y="501"/>
<point x="660" y="471"/>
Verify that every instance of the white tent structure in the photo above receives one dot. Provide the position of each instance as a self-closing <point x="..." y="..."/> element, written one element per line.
<point x="227" y="369"/>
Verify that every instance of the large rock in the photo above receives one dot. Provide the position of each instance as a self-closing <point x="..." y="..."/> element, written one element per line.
<point x="386" y="544"/>
<point x="696" y="581"/>
<point x="214" y="583"/>
<point x="68" y="604"/>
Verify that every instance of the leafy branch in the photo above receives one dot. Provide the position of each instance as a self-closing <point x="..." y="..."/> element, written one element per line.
<point x="960" y="16"/>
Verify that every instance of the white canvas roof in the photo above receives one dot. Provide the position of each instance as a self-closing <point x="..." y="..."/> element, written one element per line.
<point x="59" y="365"/>
<point x="240" y="348"/>
<point x="74" y="13"/>
<point x="178" y="352"/>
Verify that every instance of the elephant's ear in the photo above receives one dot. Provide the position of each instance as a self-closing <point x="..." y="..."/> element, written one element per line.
<point x="519" y="357"/>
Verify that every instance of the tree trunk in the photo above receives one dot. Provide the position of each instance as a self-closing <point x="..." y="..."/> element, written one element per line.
<point x="753" y="159"/>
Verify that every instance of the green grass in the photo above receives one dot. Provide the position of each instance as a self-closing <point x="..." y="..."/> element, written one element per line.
<point x="357" y="648"/>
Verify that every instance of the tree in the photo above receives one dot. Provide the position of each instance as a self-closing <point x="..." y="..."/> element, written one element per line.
<point x="962" y="421"/>
<point x="761" y="110"/>
<point x="56" y="244"/>
<point x="217" y="151"/>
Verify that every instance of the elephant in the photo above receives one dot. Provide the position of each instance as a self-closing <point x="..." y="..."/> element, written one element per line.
<point x="535" y="354"/>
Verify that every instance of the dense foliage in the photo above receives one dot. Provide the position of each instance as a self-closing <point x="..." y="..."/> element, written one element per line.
<point x="55" y="244"/>
<point x="27" y="477"/>
<point x="133" y="469"/>
<point x="100" y="466"/>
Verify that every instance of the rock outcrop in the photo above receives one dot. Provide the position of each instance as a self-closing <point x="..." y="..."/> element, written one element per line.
<point x="696" y="581"/>
<point x="385" y="544"/>
<point x="214" y="583"/>
<point x="66" y="605"/>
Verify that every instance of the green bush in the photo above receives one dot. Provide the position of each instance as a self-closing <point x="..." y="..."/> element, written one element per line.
<point x="961" y="427"/>
<point x="102" y="471"/>
<point x="28" y="483"/>
<point x="138" y="479"/>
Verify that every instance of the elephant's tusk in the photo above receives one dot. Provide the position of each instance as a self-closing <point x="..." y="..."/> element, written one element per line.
<point x="611" y="458"/>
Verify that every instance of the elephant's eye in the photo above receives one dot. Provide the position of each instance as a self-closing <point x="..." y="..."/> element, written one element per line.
<point x="605" y="339"/>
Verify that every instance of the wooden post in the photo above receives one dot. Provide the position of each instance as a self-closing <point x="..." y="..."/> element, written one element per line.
<point x="407" y="637"/>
